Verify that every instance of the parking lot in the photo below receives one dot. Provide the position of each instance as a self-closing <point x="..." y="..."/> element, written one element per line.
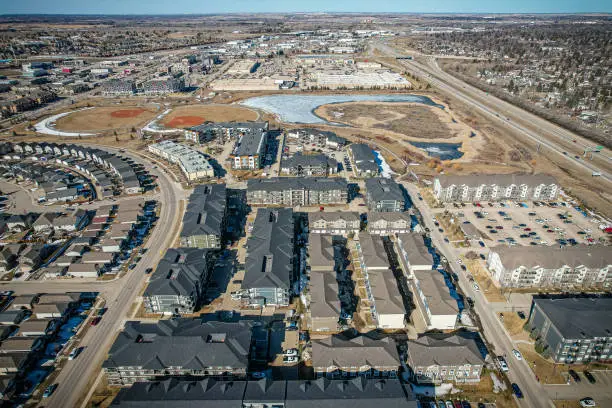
<point x="600" y="391"/>
<point x="529" y="223"/>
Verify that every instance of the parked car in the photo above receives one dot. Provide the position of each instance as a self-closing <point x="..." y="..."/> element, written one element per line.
<point x="517" y="354"/>
<point x="521" y="315"/>
<point x="465" y="404"/>
<point x="449" y="404"/>
<point x="95" y="320"/>
<point x="290" y="360"/>
<point x="476" y="287"/>
<point x="502" y="364"/>
<point x="49" y="390"/>
<point x="590" y="377"/>
<point x="587" y="402"/>
<point x="148" y="270"/>
<point x="291" y="352"/>
<point x="517" y="390"/>
<point x="258" y="375"/>
<point x="574" y="375"/>
<point x="74" y="353"/>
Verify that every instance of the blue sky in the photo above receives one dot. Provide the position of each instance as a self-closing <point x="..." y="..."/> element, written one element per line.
<point x="233" y="6"/>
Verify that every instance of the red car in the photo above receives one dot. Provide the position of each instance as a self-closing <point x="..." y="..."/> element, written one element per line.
<point x="457" y="404"/>
<point x="527" y="229"/>
<point x="499" y="227"/>
<point x="95" y="320"/>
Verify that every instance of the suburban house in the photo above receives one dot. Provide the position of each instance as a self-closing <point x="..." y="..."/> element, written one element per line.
<point x="338" y="356"/>
<point x="413" y="253"/>
<point x="573" y="330"/>
<point x="384" y="195"/>
<point x="204" y="219"/>
<point x="389" y="223"/>
<point x="177" y="285"/>
<point x="364" y="160"/>
<point x="336" y="223"/>
<point x="270" y="258"/>
<point x="495" y="187"/>
<point x="292" y="191"/>
<point x="84" y="270"/>
<point x="446" y="358"/>
<point x="179" y="347"/>
<point x="440" y="307"/>
<point x="579" y="266"/>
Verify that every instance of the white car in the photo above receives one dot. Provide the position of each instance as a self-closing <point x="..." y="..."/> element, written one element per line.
<point x="459" y="261"/>
<point x="291" y="352"/>
<point x="517" y="354"/>
<point x="290" y="360"/>
<point x="587" y="402"/>
<point x="502" y="364"/>
<point x="476" y="287"/>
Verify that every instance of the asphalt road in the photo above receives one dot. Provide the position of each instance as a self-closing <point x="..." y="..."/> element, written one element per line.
<point x="534" y="395"/>
<point x="547" y="134"/>
<point x="76" y="374"/>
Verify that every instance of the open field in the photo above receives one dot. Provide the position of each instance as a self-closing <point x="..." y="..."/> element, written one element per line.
<point x="105" y="118"/>
<point x="192" y="115"/>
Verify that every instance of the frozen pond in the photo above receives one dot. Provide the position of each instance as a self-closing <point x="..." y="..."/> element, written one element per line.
<point x="443" y="151"/>
<point x="300" y="108"/>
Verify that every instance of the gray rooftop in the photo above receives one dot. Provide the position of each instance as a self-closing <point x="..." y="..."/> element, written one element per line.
<point x="576" y="318"/>
<point x="269" y="260"/>
<point x="416" y="250"/>
<point x="364" y="157"/>
<point x="373" y="251"/>
<point x="436" y="292"/>
<point x="309" y="160"/>
<point x="380" y="188"/>
<point x="251" y="143"/>
<point x="445" y="349"/>
<point x="340" y="351"/>
<point x="294" y="183"/>
<point x="333" y="216"/>
<point x="387" y="297"/>
<point x="186" y="343"/>
<point x="324" y="302"/>
<point x="497" y="179"/>
<point x="553" y="257"/>
<point x="179" y="272"/>
<point x="321" y="251"/>
<point x="205" y="211"/>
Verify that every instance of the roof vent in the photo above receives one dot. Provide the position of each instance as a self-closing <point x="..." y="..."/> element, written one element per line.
<point x="267" y="263"/>
<point x="216" y="338"/>
<point x="273" y="216"/>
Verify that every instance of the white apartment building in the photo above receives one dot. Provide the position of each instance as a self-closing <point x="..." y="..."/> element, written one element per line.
<point x="192" y="163"/>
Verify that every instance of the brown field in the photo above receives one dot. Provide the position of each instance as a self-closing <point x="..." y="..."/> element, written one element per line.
<point x="186" y="116"/>
<point x="105" y="118"/>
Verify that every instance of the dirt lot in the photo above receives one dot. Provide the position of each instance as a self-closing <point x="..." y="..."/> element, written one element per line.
<point x="105" y="118"/>
<point x="192" y="115"/>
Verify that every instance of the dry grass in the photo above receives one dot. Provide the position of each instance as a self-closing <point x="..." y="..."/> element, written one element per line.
<point x="545" y="370"/>
<point x="103" y="395"/>
<point x="105" y="118"/>
<point x="514" y="326"/>
<point x="483" y="392"/>
<point x="207" y="113"/>
<point x="566" y="404"/>
<point x="481" y="275"/>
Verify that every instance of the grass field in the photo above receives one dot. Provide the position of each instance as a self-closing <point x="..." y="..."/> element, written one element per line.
<point x="105" y="118"/>
<point x="192" y="115"/>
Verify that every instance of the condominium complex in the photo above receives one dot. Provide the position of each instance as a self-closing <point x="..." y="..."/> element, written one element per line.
<point x="249" y="150"/>
<point x="177" y="285"/>
<point x="192" y="163"/>
<point x="309" y="165"/>
<point x="163" y="86"/>
<point x="579" y="266"/>
<point x="337" y="223"/>
<point x="364" y="160"/>
<point x="413" y="253"/>
<point x="389" y="223"/>
<point x="441" y="309"/>
<point x="573" y="330"/>
<point x="269" y="262"/>
<point x="495" y="187"/>
<point x="119" y="87"/>
<point x="384" y="195"/>
<point x="291" y="191"/>
<point x="224" y="131"/>
<point x="325" y="306"/>
<point x="204" y="219"/>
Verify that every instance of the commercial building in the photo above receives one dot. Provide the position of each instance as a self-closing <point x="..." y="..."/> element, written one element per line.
<point x="573" y="330"/>
<point x="389" y="223"/>
<point x="495" y="187"/>
<point x="177" y="285"/>
<point x="309" y="165"/>
<point x="269" y="262"/>
<point x="413" y="253"/>
<point x="204" y="219"/>
<point x="579" y="266"/>
<point x="336" y="223"/>
<point x="384" y="195"/>
<point x="440" y="308"/>
<point x="339" y="356"/>
<point x="250" y="150"/>
<point x="290" y="191"/>
<point x="193" y="164"/>
<point x="446" y="358"/>
<point x="386" y="301"/>
<point x="179" y="347"/>
<point x="364" y="160"/>
<point x="358" y="392"/>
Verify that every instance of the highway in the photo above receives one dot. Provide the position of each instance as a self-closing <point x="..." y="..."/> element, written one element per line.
<point x="520" y="372"/>
<point x="76" y="375"/>
<point x="546" y="134"/>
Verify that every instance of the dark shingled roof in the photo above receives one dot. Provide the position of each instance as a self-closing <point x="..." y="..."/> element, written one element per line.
<point x="179" y="272"/>
<point x="205" y="211"/>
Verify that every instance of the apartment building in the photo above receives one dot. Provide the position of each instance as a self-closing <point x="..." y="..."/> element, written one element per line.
<point x="386" y="301"/>
<point x="193" y="164"/>
<point x="269" y="265"/>
<point x="250" y="150"/>
<point x="433" y="295"/>
<point x="178" y="283"/>
<point x="573" y="330"/>
<point x="359" y="392"/>
<point x="114" y="87"/>
<point x="339" y="356"/>
<point x="389" y="223"/>
<point x="336" y="223"/>
<point x="364" y="160"/>
<point x="301" y="165"/>
<point x="384" y="195"/>
<point x="162" y="86"/>
<point x="325" y="306"/>
<point x="291" y="192"/>
<point x="446" y="358"/>
<point x="179" y="347"/>
<point x="320" y="138"/>
<point x="580" y="266"/>
<point x="413" y="253"/>
<point x="204" y="219"/>
<point x="496" y="187"/>
<point x="224" y="131"/>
